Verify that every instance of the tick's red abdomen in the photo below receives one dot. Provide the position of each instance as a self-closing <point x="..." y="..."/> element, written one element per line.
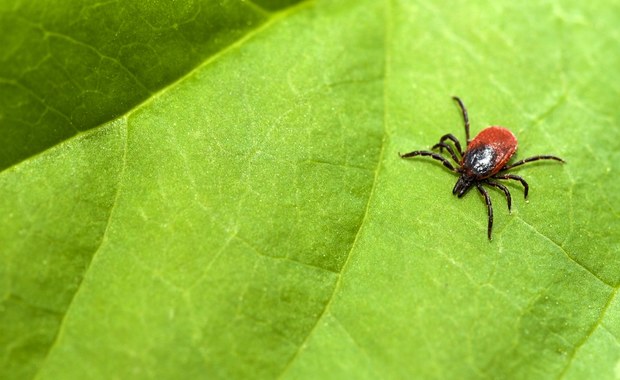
<point x="489" y="152"/>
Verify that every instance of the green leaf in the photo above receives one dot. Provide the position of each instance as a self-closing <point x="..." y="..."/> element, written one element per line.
<point x="69" y="66"/>
<point x="195" y="190"/>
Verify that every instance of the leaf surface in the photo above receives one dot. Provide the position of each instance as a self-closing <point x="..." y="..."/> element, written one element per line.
<point x="247" y="216"/>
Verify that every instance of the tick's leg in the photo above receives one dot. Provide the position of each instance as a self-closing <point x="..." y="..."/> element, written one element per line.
<point x="530" y="159"/>
<point x="465" y="118"/>
<point x="433" y="155"/>
<point x="456" y="142"/>
<point x="442" y="145"/>
<point x="516" y="178"/>
<point x="504" y="189"/>
<point x="489" y="208"/>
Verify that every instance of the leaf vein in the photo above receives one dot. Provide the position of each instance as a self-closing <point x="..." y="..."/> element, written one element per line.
<point x="48" y="33"/>
<point x="286" y="258"/>
<point x="598" y="323"/>
<point x="571" y="258"/>
<point x="371" y="195"/>
<point x="104" y="236"/>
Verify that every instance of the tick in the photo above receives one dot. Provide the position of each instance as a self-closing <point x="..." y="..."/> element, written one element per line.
<point x="484" y="161"/>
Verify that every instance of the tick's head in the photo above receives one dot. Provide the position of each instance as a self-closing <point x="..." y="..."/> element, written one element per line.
<point x="463" y="185"/>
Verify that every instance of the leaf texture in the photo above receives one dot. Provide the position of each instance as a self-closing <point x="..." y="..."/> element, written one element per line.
<point x="237" y="208"/>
